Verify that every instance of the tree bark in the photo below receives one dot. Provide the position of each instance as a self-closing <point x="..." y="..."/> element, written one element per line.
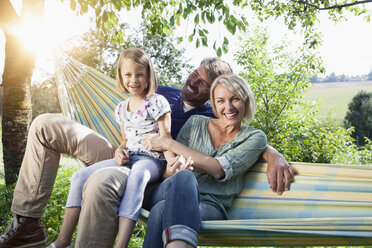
<point x="18" y="69"/>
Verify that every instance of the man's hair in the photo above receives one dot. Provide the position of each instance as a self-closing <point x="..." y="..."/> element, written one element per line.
<point x="215" y="67"/>
<point x="239" y="88"/>
<point x="140" y="57"/>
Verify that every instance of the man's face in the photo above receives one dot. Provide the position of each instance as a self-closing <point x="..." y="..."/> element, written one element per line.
<point x="195" y="92"/>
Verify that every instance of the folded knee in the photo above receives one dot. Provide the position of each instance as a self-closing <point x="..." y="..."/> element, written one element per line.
<point x="107" y="181"/>
<point x="78" y="177"/>
<point x="44" y="120"/>
<point x="185" y="177"/>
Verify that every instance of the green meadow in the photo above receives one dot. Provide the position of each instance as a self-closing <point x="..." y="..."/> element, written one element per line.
<point x="334" y="98"/>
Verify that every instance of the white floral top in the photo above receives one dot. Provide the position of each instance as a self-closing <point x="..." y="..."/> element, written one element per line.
<point x="142" y="121"/>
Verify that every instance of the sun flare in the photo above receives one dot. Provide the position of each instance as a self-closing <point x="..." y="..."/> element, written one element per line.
<point x="59" y="24"/>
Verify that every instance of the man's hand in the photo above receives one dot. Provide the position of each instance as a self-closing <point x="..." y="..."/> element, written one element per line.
<point x="121" y="156"/>
<point x="279" y="172"/>
<point x="177" y="164"/>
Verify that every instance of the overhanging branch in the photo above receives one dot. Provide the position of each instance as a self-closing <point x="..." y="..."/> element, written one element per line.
<point x="335" y="6"/>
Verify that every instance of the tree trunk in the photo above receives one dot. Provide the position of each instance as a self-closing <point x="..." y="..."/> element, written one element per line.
<point x="16" y="105"/>
<point x="19" y="65"/>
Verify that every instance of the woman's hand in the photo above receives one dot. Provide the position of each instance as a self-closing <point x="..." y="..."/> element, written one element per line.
<point x="154" y="142"/>
<point x="177" y="164"/>
<point x="121" y="156"/>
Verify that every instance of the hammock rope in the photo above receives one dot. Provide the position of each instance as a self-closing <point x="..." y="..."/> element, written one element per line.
<point x="326" y="205"/>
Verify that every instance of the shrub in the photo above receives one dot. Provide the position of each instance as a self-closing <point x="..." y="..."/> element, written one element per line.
<point x="320" y="142"/>
<point x="359" y="116"/>
<point x="365" y="152"/>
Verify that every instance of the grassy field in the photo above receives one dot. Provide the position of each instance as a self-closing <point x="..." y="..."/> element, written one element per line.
<point x="335" y="97"/>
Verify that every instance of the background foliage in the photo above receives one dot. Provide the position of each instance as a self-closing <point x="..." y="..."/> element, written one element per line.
<point x="44" y="98"/>
<point x="359" y="116"/>
<point x="170" y="64"/>
<point x="280" y="80"/>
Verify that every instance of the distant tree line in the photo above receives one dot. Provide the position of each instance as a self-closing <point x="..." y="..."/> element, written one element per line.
<point x="333" y="77"/>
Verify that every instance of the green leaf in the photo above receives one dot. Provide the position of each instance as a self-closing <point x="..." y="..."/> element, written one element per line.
<point x="167" y="30"/>
<point x="357" y="11"/>
<point x="203" y="16"/>
<point x="104" y="16"/>
<point x="84" y="8"/>
<point x="73" y="5"/>
<point x="205" y="41"/>
<point x="225" y="48"/>
<point x="171" y="20"/>
<point x="98" y="11"/>
<point x="219" y="52"/>
<point x="197" y="43"/>
<point x="191" y="37"/>
<point x="225" y="41"/>
<point x="196" y="19"/>
<point x="180" y="9"/>
<point x="210" y="18"/>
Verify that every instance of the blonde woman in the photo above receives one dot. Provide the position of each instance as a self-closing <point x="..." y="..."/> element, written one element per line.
<point x="222" y="151"/>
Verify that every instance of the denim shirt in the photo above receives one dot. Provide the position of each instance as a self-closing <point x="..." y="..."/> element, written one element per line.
<point x="235" y="157"/>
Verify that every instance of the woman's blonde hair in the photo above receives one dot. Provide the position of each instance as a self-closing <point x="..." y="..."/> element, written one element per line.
<point x="140" y="57"/>
<point x="239" y="88"/>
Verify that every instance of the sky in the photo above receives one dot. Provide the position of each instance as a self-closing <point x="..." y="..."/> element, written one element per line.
<point x="346" y="45"/>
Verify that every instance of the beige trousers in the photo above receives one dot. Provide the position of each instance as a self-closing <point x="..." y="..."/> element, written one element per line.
<point x="102" y="194"/>
<point x="49" y="136"/>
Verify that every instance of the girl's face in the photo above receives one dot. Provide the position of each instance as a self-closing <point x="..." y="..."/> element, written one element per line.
<point x="135" y="78"/>
<point x="229" y="107"/>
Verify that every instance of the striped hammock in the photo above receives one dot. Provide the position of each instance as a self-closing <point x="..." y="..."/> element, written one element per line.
<point x="327" y="204"/>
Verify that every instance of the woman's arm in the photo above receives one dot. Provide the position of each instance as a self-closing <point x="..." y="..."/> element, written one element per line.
<point x="277" y="170"/>
<point x="202" y="162"/>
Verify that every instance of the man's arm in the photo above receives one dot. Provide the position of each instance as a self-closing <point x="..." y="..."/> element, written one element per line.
<point x="278" y="170"/>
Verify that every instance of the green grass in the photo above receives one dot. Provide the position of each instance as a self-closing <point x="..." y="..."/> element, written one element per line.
<point x="334" y="101"/>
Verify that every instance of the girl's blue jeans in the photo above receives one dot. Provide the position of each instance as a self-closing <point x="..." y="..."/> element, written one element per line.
<point x="144" y="169"/>
<point x="176" y="211"/>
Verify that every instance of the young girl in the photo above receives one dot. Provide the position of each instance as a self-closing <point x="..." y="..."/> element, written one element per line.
<point x="144" y="112"/>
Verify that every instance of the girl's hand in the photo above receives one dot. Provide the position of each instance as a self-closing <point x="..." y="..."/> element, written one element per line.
<point x="177" y="164"/>
<point x="121" y="156"/>
<point x="153" y="142"/>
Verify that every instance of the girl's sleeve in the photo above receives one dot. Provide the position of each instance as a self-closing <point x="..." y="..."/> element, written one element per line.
<point x="158" y="106"/>
<point x="119" y="113"/>
<point x="240" y="158"/>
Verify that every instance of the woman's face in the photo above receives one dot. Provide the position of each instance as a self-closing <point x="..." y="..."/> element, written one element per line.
<point x="229" y="107"/>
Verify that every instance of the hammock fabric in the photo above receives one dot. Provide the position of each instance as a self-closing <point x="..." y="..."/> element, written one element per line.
<point x="326" y="205"/>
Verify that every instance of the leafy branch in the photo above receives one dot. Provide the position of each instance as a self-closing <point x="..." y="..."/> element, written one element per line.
<point x="336" y="6"/>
